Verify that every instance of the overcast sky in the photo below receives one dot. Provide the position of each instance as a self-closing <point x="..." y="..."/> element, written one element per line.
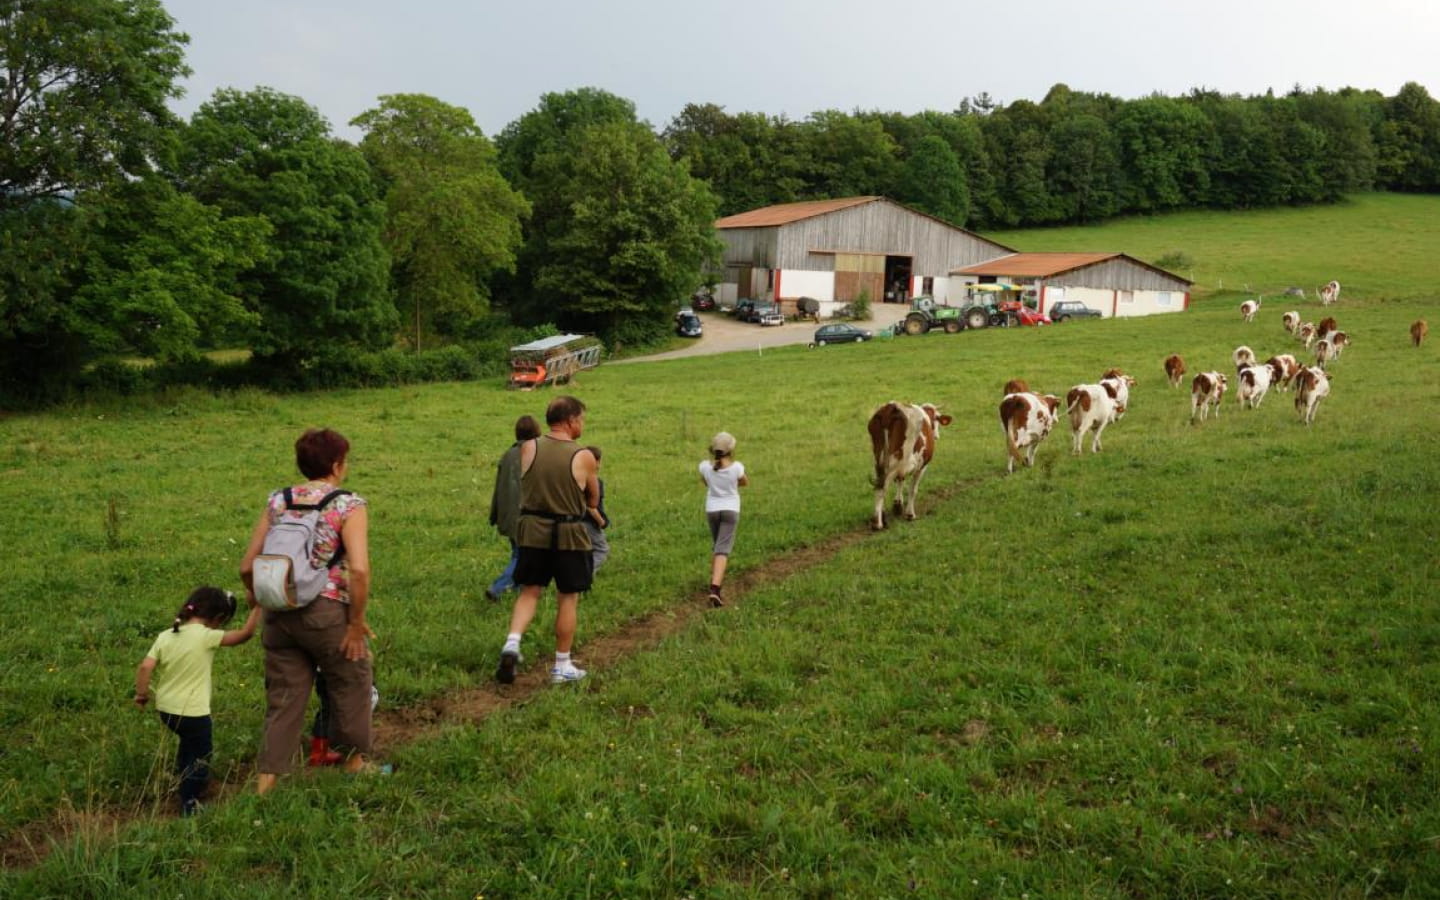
<point x="793" y="58"/>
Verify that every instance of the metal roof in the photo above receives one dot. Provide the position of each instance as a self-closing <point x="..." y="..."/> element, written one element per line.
<point x="1048" y="265"/>
<point x="785" y="213"/>
<point x="1035" y="265"/>
<point x="544" y="344"/>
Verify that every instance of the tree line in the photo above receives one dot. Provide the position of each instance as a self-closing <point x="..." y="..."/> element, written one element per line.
<point x="426" y="247"/>
<point x="1073" y="157"/>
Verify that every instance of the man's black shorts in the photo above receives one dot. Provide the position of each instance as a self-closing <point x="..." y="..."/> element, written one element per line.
<point x="570" y="569"/>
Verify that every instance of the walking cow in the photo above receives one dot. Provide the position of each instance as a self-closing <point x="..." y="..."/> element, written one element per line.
<point x="902" y="438"/>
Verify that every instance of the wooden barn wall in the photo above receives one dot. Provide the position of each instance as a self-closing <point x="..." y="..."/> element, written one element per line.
<point x="749" y="246"/>
<point x="879" y="228"/>
<point x="1119" y="275"/>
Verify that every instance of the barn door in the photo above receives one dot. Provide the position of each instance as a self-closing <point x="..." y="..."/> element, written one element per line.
<point x="857" y="273"/>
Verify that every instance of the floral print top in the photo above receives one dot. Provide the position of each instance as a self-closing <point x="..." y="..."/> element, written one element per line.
<point x="327" y="533"/>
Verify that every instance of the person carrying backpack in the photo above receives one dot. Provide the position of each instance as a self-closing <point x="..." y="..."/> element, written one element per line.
<point x="308" y="564"/>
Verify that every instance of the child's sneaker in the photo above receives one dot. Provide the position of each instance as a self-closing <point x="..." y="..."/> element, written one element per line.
<point x="509" y="659"/>
<point x="565" y="673"/>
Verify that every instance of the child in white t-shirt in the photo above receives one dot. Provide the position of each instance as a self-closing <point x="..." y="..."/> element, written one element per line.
<point x="723" y="476"/>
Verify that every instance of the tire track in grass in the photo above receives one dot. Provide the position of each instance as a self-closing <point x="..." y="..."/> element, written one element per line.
<point x="30" y="844"/>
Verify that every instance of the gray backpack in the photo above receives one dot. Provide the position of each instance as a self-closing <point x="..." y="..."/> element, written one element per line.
<point x="284" y="575"/>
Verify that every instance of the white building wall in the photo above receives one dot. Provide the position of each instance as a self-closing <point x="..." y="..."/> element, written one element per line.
<point x="1095" y="298"/>
<point x="797" y="283"/>
<point x="1148" y="303"/>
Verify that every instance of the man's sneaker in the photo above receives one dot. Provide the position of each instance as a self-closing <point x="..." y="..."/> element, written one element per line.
<point x="508" y="660"/>
<point x="715" y="600"/>
<point x="562" y="674"/>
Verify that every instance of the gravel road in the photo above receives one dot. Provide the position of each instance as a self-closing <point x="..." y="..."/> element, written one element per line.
<point x="724" y="334"/>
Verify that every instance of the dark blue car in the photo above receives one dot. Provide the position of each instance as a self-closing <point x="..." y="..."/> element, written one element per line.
<point x="840" y="333"/>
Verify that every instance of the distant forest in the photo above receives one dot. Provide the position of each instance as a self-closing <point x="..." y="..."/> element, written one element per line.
<point x="1073" y="157"/>
<point x="133" y="244"/>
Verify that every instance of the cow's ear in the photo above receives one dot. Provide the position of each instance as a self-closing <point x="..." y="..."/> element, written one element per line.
<point x="946" y="420"/>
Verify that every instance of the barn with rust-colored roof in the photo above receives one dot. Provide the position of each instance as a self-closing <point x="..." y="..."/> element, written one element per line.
<point x="837" y="251"/>
<point x="1115" y="284"/>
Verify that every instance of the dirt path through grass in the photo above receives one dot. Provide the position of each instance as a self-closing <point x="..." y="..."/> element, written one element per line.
<point x="396" y="727"/>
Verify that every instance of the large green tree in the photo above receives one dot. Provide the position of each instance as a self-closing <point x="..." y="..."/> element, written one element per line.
<point x="83" y="87"/>
<point x="749" y="160"/>
<point x="98" y="253"/>
<point x="639" y="232"/>
<point x="848" y="155"/>
<point x="451" y="219"/>
<point x="323" y="285"/>
<point x="931" y="180"/>
<point x="619" y="232"/>
<point x="160" y="275"/>
<point x="1409" y="140"/>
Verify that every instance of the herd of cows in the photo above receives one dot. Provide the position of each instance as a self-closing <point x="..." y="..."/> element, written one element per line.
<point x="903" y="435"/>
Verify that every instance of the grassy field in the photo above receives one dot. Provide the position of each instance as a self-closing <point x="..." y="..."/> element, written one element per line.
<point x="1202" y="663"/>
<point x="1376" y="245"/>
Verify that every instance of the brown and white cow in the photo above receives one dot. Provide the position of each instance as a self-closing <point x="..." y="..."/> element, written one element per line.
<point x="1326" y="327"/>
<point x="902" y="437"/>
<point x="1418" y="330"/>
<point x="1324" y="352"/>
<point x="1311" y="386"/>
<point x="1330" y="293"/>
<point x="1339" y="340"/>
<point x="1291" y="321"/>
<point x="1174" y="369"/>
<point x="1207" y="389"/>
<point x="1283" y="369"/>
<point x="1254" y="384"/>
<point x="1249" y="308"/>
<point x="1122" y="384"/>
<point x="1306" y="334"/>
<point x="1027" y="419"/>
<point x="1243" y="356"/>
<point x="1091" y="407"/>
<point x="1016" y="386"/>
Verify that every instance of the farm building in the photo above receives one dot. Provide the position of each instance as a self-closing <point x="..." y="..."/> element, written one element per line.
<point x="1115" y="284"/>
<point x="837" y="250"/>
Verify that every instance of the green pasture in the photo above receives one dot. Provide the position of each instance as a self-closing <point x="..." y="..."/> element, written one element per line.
<point x="1375" y="245"/>
<point x="1202" y="663"/>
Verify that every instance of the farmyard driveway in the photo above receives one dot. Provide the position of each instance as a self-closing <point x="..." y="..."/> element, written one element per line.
<point x="724" y="334"/>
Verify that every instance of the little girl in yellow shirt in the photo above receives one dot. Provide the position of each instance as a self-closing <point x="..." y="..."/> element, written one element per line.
<point x="180" y="660"/>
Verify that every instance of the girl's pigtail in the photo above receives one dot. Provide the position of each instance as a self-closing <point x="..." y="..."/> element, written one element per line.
<point x="186" y="612"/>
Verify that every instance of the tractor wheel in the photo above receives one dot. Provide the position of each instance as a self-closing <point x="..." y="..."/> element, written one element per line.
<point x="952" y="326"/>
<point x="916" y="325"/>
<point x="975" y="318"/>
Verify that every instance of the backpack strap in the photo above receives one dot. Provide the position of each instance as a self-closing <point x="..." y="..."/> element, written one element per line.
<point x="306" y="507"/>
<point x="324" y="502"/>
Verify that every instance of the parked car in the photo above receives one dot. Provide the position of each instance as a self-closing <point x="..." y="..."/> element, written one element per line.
<point x="766" y="314"/>
<point x="687" y="324"/>
<point x="840" y="333"/>
<point x="1072" y="309"/>
<point x="703" y="302"/>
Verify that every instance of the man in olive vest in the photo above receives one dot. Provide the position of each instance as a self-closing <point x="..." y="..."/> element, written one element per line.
<point x="558" y="488"/>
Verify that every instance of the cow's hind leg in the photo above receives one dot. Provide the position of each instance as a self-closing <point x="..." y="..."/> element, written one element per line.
<point x="1095" y="441"/>
<point x="910" y="498"/>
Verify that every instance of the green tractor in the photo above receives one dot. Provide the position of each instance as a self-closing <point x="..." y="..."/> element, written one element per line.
<point x="926" y="314"/>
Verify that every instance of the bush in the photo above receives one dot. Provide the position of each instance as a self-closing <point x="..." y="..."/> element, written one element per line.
<point x="114" y="376"/>
<point x="860" y="308"/>
<point x="1175" y="260"/>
